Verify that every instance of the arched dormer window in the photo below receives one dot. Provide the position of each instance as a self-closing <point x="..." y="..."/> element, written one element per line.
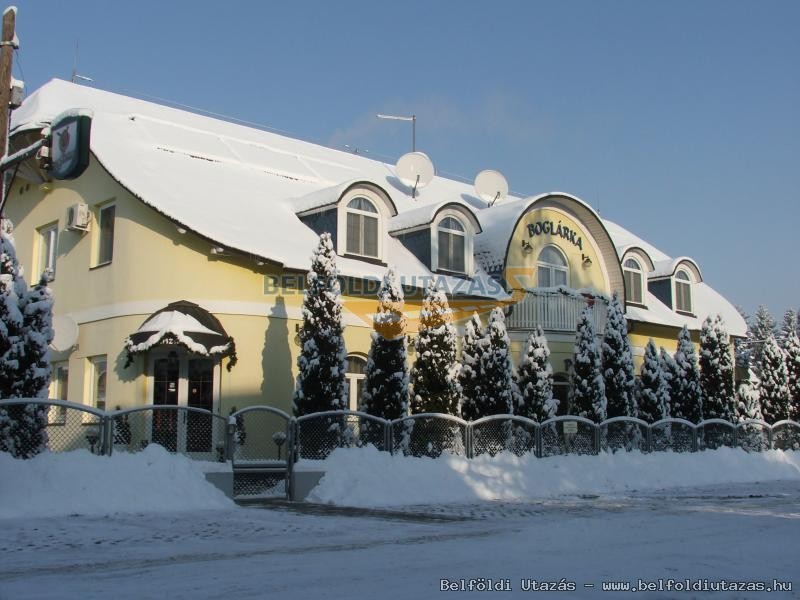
<point x="552" y="268"/>
<point x="634" y="281"/>
<point x="362" y="224"/>
<point x="451" y="239"/>
<point x="683" y="291"/>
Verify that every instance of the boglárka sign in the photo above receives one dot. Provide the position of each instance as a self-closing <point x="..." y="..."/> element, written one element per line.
<point x="69" y="144"/>
<point x="555" y="230"/>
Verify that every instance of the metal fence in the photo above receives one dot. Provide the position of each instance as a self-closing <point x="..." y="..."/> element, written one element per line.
<point x="263" y="442"/>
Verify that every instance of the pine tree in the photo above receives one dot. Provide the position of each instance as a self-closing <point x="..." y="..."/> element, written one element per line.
<point x="495" y="370"/>
<point x="587" y="390"/>
<point x="653" y="387"/>
<point x="687" y="396"/>
<point x="618" y="371"/>
<point x="386" y="376"/>
<point x="536" y="380"/>
<point x="788" y="326"/>
<point x="716" y="371"/>
<point x="761" y="327"/>
<point x="469" y="378"/>
<point x="322" y="362"/>
<point x="671" y="376"/>
<point x="792" y="354"/>
<point x="743" y="346"/>
<point x="434" y="376"/>
<point x="748" y="399"/>
<point x="774" y="388"/>
<point x="36" y="307"/>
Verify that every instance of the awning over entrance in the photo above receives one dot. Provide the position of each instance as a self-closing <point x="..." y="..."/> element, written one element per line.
<point x="186" y="324"/>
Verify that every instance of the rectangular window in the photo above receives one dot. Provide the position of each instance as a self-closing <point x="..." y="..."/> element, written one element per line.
<point x="48" y="249"/>
<point x="633" y="286"/>
<point x="99" y="381"/>
<point x="451" y="252"/>
<point x="105" y="244"/>
<point x="544" y="277"/>
<point x="58" y="391"/>
<point x="683" y="296"/>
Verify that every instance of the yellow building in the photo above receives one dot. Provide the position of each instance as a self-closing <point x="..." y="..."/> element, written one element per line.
<point x="187" y="234"/>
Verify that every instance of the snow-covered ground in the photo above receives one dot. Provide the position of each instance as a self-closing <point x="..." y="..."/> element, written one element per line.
<point x="737" y="532"/>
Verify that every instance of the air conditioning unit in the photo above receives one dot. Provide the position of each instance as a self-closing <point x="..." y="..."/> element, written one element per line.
<point x="79" y="217"/>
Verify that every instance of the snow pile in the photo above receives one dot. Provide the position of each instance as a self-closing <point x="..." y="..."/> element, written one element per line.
<point x="78" y="482"/>
<point x="367" y="477"/>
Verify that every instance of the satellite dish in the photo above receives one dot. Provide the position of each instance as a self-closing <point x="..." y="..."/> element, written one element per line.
<point x="491" y="186"/>
<point x="415" y="170"/>
<point x="66" y="333"/>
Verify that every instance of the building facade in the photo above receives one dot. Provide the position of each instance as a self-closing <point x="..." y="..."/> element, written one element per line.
<point x="178" y="257"/>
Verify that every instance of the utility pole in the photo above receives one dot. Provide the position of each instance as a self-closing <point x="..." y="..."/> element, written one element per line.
<point x="7" y="45"/>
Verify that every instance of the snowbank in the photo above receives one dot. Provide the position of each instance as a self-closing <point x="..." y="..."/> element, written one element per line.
<point x="367" y="477"/>
<point x="56" y="484"/>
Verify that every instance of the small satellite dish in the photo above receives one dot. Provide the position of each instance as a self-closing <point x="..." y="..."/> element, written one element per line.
<point x="491" y="186"/>
<point x="66" y="333"/>
<point x="415" y="170"/>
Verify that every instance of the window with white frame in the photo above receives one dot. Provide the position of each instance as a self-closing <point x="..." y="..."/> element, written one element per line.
<point x="355" y="380"/>
<point x="59" y="386"/>
<point x="683" y="292"/>
<point x="552" y="268"/>
<point x="363" y="228"/>
<point x="99" y="381"/>
<point x="48" y="250"/>
<point x="105" y="239"/>
<point x="452" y="245"/>
<point x="634" y="280"/>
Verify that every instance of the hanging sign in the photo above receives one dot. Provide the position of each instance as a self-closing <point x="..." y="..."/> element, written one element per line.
<point x="69" y="144"/>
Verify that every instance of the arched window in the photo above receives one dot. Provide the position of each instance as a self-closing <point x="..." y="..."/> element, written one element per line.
<point x="452" y="245"/>
<point x="355" y="379"/>
<point x="552" y="268"/>
<point x="362" y="228"/>
<point x="683" y="292"/>
<point x="634" y="278"/>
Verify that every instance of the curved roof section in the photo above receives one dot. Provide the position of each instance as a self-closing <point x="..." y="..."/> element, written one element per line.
<point x="331" y="196"/>
<point x="425" y="215"/>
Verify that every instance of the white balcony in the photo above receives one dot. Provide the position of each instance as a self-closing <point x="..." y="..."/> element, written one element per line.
<point x="556" y="311"/>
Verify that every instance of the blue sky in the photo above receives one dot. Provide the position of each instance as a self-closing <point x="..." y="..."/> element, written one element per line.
<point x="679" y="120"/>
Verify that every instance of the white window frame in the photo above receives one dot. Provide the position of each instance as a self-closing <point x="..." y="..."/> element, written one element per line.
<point x="57" y="415"/>
<point x="99" y="258"/>
<point x="47" y="251"/>
<point x="354" y="381"/>
<point x="99" y="366"/>
<point x="341" y="221"/>
<point x="633" y="271"/>
<point x="469" y="236"/>
<point x="552" y="266"/>
<point x="677" y="281"/>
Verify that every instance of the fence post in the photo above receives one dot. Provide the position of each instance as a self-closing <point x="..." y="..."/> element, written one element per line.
<point x="695" y="440"/>
<point x="538" y="449"/>
<point x="596" y="438"/>
<point x="107" y="429"/>
<point x="649" y="438"/>
<point x="230" y="439"/>
<point x="468" y="434"/>
<point x="770" y="437"/>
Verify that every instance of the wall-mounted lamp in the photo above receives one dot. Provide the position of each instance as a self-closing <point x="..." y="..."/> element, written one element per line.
<point x="586" y="261"/>
<point x="217" y="250"/>
<point x="181" y="230"/>
<point x="526" y="247"/>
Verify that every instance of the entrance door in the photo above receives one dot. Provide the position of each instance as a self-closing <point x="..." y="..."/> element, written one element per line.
<point x="184" y="381"/>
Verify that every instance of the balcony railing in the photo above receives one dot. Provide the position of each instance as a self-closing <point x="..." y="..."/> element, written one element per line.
<point x="556" y="311"/>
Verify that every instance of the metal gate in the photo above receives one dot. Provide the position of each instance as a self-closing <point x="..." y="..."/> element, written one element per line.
<point x="262" y="442"/>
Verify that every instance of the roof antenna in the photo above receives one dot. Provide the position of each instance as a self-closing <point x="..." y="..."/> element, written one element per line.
<point x="75" y="76"/>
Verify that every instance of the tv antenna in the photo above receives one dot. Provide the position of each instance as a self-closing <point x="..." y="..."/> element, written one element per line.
<point x="75" y="77"/>
<point x="415" y="170"/>
<point x="491" y="186"/>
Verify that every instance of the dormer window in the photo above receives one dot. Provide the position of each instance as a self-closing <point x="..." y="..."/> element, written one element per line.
<point x="452" y="245"/>
<point x="683" y="292"/>
<point x="552" y="268"/>
<point x="363" y="227"/>
<point x="634" y="279"/>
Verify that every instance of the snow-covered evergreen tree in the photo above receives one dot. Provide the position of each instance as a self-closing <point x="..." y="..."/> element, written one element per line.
<point x="743" y="345"/>
<point x="748" y="399"/>
<point x="686" y="398"/>
<point x="434" y="376"/>
<point x="669" y="368"/>
<point x="386" y="376"/>
<point x="653" y="387"/>
<point x="495" y="395"/>
<point x="762" y="325"/>
<point x="716" y="371"/>
<point x="791" y="345"/>
<point x="788" y="326"/>
<point x="469" y="378"/>
<point x="587" y="390"/>
<point x="535" y="379"/>
<point x="774" y="387"/>
<point x="322" y="362"/>
<point x="618" y="371"/>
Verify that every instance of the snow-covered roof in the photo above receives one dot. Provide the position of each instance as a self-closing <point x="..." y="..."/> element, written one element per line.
<point x="243" y="188"/>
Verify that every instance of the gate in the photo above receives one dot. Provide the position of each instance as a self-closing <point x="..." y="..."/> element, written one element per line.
<point x="262" y="440"/>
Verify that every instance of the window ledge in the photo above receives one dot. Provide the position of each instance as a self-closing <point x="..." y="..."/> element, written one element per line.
<point x="686" y="313"/>
<point x="367" y="259"/>
<point x="459" y="274"/>
<point x="637" y="305"/>
<point x="100" y="265"/>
